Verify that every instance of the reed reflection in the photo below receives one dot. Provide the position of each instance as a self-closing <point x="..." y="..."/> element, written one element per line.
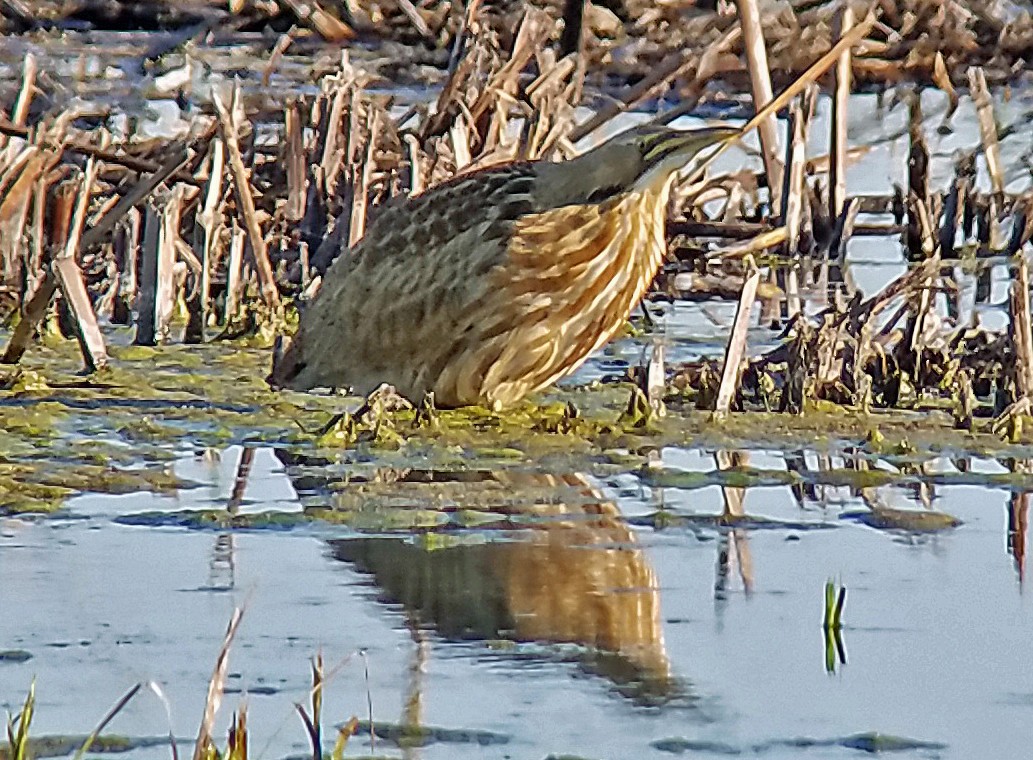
<point x="734" y="547"/>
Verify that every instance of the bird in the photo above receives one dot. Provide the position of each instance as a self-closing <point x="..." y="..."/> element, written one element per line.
<point x="495" y="284"/>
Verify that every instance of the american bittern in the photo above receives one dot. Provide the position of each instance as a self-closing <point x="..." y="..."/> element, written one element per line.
<point x="499" y="282"/>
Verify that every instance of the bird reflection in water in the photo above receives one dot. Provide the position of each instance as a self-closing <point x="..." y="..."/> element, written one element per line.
<point x="565" y="569"/>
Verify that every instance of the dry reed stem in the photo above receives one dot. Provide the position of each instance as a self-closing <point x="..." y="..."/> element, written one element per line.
<point x="361" y="182"/>
<point x="230" y="122"/>
<point x="840" y="107"/>
<point x="34" y="308"/>
<point x="531" y="36"/>
<point x="233" y="274"/>
<point x="987" y="128"/>
<point x="815" y="70"/>
<point x="294" y="157"/>
<point x="736" y="346"/>
<point x="73" y="287"/>
<point x="140" y="192"/>
<point x="210" y="218"/>
<point x="84" y="149"/>
<point x="418" y="22"/>
<point x="760" y="82"/>
<point x="21" y="105"/>
<point x="659" y="77"/>
<point x="328" y="26"/>
<point x="216" y="688"/>
<point x="1022" y="327"/>
<point x="147" y="297"/>
<point x="171" y="216"/>
<point x="758" y="243"/>
<point x="279" y="49"/>
<point x="793" y="197"/>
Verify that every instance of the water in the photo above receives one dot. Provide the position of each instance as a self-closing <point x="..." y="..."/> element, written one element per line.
<point x="568" y="633"/>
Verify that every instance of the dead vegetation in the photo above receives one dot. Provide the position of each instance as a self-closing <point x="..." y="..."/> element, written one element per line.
<point x="212" y="235"/>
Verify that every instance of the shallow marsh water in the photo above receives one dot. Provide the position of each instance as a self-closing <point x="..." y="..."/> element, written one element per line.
<point x="568" y="629"/>
<point x="521" y="603"/>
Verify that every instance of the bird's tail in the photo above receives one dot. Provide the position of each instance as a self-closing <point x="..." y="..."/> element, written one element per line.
<point x="288" y="362"/>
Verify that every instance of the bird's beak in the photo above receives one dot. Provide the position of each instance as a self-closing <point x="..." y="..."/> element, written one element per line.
<point x="678" y="146"/>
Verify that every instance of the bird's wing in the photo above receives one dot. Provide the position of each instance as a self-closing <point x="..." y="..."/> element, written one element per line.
<point x="390" y="309"/>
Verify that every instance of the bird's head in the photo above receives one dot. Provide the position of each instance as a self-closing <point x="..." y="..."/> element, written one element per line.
<point x="641" y="158"/>
<point x="653" y="153"/>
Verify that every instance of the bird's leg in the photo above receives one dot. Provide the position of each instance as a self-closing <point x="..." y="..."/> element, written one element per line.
<point x="647" y="317"/>
<point x="426" y="412"/>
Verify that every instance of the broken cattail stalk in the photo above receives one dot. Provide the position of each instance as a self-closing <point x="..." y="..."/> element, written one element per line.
<point x="234" y="274"/>
<point x="801" y="83"/>
<point x="845" y="228"/>
<point x="124" y="244"/>
<point x="792" y="282"/>
<point x="140" y="192"/>
<point x="101" y="154"/>
<point x="59" y="209"/>
<point x="954" y="206"/>
<point x="326" y="25"/>
<point x="671" y="68"/>
<point x="210" y="218"/>
<point x="33" y="310"/>
<point x="792" y="192"/>
<point x="736" y="346"/>
<point x="918" y="178"/>
<point x="284" y="42"/>
<point x="737" y="230"/>
<point x="37" y="233"/>
<point x="1022" y="328"/>
<point x="171" y="214"/>
<point x="419" y="23"/>
<point x="146" y="320"/>
<point x="73" y="287"/>
<point x="230" y="121"/>
<point x="760" y="81"/>
<point x="987" y="128"/>
<point x="655" y="379"/>
<point x="758" y="243"/>
<point x="24" y="100"/>
<point x="840" y="101"/>
<point x="294" y="157"/>
<point x="332" y="156"/>
<point x="360" y="188"/>
<point x="87" y="332"/>
<point x="415" y="171"/>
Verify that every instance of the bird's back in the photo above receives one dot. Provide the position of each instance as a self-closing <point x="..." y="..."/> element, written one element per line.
<point x="395" y="307"/>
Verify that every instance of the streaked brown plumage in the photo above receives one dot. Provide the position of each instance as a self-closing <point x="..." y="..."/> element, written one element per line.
<point x="499" y="282"/>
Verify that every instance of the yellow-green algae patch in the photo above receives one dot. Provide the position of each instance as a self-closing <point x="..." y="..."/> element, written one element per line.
<point x="154" y="402"/>
<point x="62" y="745"/>
<point x="908" y="520"/>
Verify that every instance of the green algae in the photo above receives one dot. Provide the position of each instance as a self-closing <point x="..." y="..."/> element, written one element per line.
<point x="69" y="430"/>
<point x="871" y="742"/>
<point x="413" y="735"/>
<point x="907" y="520"/>
<point x="62" y="745"/>
<point x="216" y="519"/>
<point x="740" y="477"/>
<point x="110" y="480"/>
<point x="14" y="656"/>
<point x="666" y="519"/>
